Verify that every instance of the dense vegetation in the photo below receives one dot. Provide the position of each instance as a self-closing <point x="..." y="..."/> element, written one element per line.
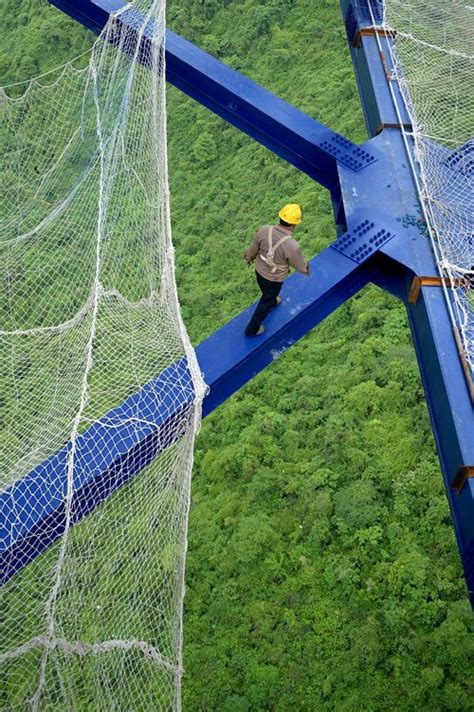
<point x="322" y="570"/>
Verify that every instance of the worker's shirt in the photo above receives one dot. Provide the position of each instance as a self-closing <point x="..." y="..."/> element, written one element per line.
<point x="287" y="255"/>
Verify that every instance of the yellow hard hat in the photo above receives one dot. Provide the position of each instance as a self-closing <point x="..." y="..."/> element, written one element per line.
<point x="291" y="214"/>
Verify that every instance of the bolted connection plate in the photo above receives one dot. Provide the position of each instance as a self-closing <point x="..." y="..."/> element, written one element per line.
<point x="362" y="241"/>
<point x="344" y="151"/>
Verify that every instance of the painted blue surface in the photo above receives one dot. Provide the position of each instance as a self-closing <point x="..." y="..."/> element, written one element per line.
<point x="376" y="99"/>
<point x="126" y="439"/>
<point x="377" y="103"/>
<point x="365" y="238"/>
<point x="369" y="183"/>
<point x="108" y="454"/>
<point x="229" y="359"/>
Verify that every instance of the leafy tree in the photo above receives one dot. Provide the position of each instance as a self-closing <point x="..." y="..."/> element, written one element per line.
<point x="322" y="569"/>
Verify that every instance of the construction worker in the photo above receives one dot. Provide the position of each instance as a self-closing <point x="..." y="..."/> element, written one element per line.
<point x="274" y="250"/>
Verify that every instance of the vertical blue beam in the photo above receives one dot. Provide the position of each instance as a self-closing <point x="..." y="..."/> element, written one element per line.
<point x="450" y="410"/>
<point x="390" y="182"/>
<point x="371" y="69"/>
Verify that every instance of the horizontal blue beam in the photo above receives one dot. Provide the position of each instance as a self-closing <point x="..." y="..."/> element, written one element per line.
<point x="107" y="455"/>
<point x="293" y="135"/>
<point x="125" y="440"/>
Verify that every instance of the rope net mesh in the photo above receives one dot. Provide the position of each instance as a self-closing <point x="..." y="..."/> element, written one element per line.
<point x="433" y="55"/>
<point x="90" y="320"/>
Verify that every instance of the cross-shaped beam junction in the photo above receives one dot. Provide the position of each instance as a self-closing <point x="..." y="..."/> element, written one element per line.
<point x="388" y="247"/>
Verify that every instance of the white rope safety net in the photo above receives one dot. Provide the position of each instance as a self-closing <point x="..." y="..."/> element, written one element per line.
<point x="90" y="315"/>
<point x="433" y="55"/>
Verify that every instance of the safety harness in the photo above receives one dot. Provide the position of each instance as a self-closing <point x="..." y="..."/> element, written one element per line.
<point x="268" y="258"/>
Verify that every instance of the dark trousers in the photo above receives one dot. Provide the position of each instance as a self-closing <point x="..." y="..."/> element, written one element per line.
<point x="270" y="291"/>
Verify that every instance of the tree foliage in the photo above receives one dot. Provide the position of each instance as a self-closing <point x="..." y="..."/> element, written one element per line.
<point x="322" y="568"/>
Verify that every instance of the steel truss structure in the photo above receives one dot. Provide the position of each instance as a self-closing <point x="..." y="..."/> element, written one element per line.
<point x="376" y="211"/>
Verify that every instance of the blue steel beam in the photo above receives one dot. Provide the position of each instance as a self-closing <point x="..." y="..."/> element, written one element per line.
<point x="450" y="410"/>
<point x="107" y="455"/>
<point x="372" y="69"/>
<point x="397" y="260"/>
<point x="390" y="182"/>
<point x="294" y="136"/>
<point x="125" y="440"/>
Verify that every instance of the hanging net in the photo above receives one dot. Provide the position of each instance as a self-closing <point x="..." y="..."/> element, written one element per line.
<point x="99" y="387"/>
<point x="433" y="55"/>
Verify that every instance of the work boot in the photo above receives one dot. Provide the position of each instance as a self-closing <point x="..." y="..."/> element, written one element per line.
<point x="260" y="331"/>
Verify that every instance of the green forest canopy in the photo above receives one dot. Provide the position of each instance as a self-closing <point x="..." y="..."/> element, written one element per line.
<point x="322" y="570"/>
